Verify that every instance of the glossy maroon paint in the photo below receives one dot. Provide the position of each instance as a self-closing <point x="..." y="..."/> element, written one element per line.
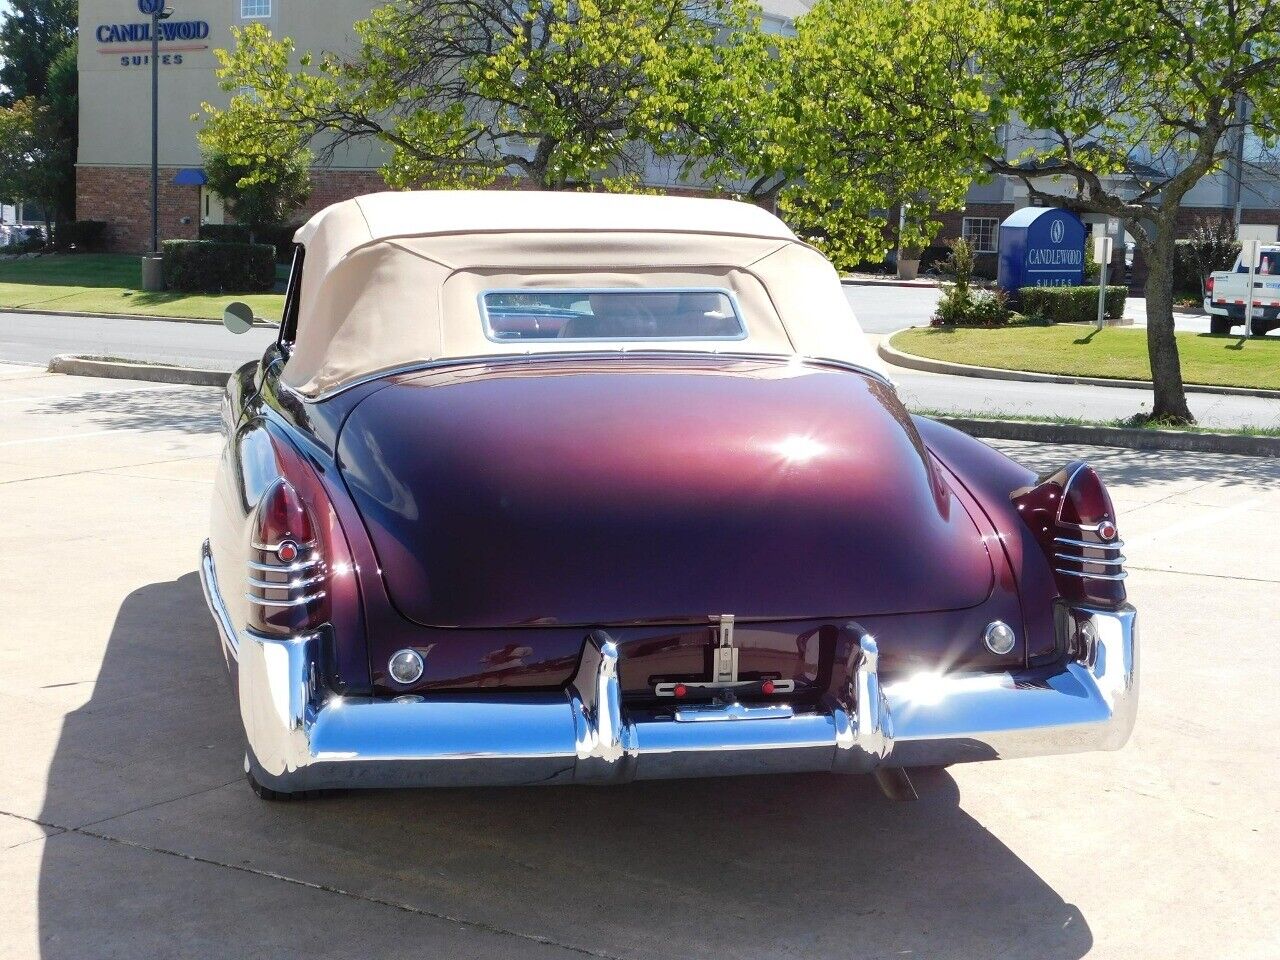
<point x="909" y="531"/>
<point x="616" y="492"/>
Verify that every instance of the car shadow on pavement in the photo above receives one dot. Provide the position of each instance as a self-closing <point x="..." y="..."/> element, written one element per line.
<point x="169" y="853"/>
<point x="1136" y="468"/>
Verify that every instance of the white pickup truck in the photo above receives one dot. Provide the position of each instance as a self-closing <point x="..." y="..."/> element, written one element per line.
<point x="1226" y="291"/>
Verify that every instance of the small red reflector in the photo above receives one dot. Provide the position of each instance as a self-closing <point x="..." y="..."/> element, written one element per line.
<point x="680" y="690"/>
<point x="767" y="687"/>
<point x="287" y="551"/>
<point x="1107" y="530"/>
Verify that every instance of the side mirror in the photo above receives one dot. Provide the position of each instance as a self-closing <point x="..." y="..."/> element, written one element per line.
<point x="237" y="317"/>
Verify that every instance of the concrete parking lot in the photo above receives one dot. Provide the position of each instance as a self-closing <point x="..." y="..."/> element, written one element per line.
<point x="126" y="829"/>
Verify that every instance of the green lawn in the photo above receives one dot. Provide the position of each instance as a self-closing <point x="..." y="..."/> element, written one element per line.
<point x="1115" y="352"/>
<point x="110" y="283"/>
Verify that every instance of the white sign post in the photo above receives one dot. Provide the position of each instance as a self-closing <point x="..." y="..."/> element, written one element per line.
<point x="1102" y="256"/>
<point x="1255" y="253"/>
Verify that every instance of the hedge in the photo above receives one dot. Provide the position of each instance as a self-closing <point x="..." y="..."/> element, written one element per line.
<point x="224" y="232"/>
<point x="280" y="236"/>
<point x="209" y="265"/>
<point x="1071" y="304"/>
<point x="82" y="235"/>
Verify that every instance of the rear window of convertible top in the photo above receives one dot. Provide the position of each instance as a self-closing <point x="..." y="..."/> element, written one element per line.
<point x="631" y="314"/>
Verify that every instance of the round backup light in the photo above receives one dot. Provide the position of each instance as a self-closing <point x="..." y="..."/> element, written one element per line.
<point x="1107" y="530"/>
<point x="287" y="551"/>
<point x="999" y="637"/>
<point x="405" y="666"/>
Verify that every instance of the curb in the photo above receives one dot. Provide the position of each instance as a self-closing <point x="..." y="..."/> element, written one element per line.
<point x="125" y="370"/>
<point x="913" y="362"/>
<point x="127" y="316"/>
<point x="1128" y="437"/>
<point x="890" y="282"/>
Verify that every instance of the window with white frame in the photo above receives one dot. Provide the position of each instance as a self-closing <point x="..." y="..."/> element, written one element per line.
<point x="255" y="9"/>
<point x="981" y="233"/>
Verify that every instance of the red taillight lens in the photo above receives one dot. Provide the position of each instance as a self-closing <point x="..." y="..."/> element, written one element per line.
<point x="1208" y="285"/>
<point x="287" y="570"/>
<point x="1074" y="520"/>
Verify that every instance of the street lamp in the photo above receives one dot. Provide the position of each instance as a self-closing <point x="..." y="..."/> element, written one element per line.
<point x="152" y="276"/>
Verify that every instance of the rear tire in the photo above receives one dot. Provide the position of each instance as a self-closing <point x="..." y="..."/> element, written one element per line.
<point x="1260" y="328"/>
<point x="1219" y="324"/>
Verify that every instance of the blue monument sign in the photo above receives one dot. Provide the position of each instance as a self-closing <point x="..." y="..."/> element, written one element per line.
<point x="1041" y="247"/>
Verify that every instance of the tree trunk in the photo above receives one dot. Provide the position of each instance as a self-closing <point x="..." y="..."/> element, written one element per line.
<point x="1170" y="400"/>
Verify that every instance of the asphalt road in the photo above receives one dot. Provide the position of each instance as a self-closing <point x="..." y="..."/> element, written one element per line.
<point x="35" y="338"/>
<point x="126" y="829"/>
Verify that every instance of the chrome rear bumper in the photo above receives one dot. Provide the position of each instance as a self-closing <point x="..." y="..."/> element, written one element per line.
<point x="302" y="736"/>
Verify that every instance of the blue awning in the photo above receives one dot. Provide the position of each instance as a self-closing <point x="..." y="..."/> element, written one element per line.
<point x="190" y="177"/>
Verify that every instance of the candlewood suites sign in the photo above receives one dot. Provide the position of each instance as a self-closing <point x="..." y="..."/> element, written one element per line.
<point x="131" y="42"/>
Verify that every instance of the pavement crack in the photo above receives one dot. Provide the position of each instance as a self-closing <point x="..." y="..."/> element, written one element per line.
<point x="1197" y="573"/>
<point x="476" y="925"/>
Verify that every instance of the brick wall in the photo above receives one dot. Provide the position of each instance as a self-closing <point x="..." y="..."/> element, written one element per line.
<point x="122" y="197"/>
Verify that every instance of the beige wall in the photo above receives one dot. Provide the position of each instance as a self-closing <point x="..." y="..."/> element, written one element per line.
<point x="115" y="77"/>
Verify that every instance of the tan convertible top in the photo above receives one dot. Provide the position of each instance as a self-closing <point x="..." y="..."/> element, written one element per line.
<point x="394" y="279"/>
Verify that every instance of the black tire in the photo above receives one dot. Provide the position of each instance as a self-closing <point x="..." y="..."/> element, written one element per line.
<point x="1260" y="328"/>
<point x="278" y="796"/>
<point x="1219" y="324"/>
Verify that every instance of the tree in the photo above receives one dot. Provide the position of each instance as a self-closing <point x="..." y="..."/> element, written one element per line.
<point x="871" y="104"/>
<point x="1130" y="104"/>
<point x="32" y="36"/>
<point x="261" y="186"/>
<point x="27" y="170"/>
<point x="561" y="93"/>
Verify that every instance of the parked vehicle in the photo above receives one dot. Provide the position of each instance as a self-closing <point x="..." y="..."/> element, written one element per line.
<point x="543" y="488"/>
<point x="1226" y="292"/>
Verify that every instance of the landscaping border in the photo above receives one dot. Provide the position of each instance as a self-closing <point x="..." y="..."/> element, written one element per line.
<point x="1133" y="438"/>
<point x="78" y="366"/>
<point x="257" y="321"/>
<point x="913" y="361"/>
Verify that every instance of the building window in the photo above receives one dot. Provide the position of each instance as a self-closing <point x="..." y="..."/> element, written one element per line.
<point x="254" y="9"/>
<point x="981" y="232"/>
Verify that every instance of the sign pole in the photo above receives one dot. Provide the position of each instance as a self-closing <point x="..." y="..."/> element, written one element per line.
<point x="156" y="10"/>
<point x="1102" y="254"/>
<point x="1255" y="252"/>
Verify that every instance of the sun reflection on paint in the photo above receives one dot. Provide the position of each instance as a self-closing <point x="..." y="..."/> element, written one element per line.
<point x="799" y="449"/>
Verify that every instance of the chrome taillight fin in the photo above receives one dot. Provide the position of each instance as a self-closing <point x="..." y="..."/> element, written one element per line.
<point x="1072" y="517"/>
<point x="286" y="576"/>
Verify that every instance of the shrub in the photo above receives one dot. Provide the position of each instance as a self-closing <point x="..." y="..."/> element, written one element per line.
<point x="960" y="266"/>
<point x="1211" y="245"/>
<point x="224" y="232"/>
<point x="80" y="235"/>
<point x="280" y="236"/>
<point x="964" y="307"/>
<point x="1071" y="304"/>
<point x="209" y="265"/>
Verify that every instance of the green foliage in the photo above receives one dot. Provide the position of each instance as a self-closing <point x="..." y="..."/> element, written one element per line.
<point x="964" y="307"/>
<point x="959" y="265"/>
<point x="1211" y="245"/>
<point x="462" y="92"/>
<point x="80" y="236"/>
<point x="1135" y="102"/>
<point x="32" y="36"/>
<point x="210" y="265"/>
<point x="876" y="103"/>
<point x="1071" y="304"/>
<point x="225" y="232"/>
<point x="260" y="185"/>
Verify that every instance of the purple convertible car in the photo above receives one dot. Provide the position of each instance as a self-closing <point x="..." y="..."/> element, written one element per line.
<point x="547" y="488"/>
